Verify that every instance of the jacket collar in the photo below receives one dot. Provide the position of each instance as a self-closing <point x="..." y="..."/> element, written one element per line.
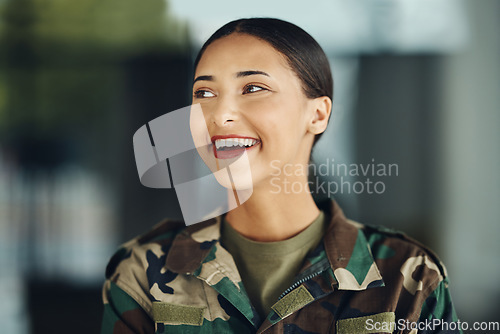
<point x="192" y="245"/>
<point x="349" y="252"/>
<point x="344" y="242"/>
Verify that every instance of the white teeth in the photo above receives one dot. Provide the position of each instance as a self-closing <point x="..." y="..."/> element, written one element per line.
<point x="230" y="142"/>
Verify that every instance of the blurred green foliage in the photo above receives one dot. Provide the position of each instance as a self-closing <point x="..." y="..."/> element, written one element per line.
<point x="61" y="61"/>
<point x="113" y="25"/>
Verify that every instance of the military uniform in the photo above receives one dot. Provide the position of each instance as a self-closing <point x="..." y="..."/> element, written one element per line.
<point x="360" y="279"/>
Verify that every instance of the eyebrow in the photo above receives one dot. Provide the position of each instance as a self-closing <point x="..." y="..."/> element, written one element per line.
<point x="251" y="72"/>
<point x="204" y="77"/>
<point x="238" y="75"/>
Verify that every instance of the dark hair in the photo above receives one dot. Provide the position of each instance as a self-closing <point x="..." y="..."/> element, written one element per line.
<point x="304" y="55"/>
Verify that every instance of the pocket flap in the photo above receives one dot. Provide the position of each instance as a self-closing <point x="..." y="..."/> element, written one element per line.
<point x="178" y="314"/>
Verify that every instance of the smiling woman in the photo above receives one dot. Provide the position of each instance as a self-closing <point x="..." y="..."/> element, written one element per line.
<point x="279" y="262"/>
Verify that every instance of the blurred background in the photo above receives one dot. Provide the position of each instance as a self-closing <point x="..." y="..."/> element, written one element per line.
<point x="417" y="84"/>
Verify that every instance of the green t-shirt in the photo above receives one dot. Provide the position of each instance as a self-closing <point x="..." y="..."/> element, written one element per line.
<point x="267" y="269"/>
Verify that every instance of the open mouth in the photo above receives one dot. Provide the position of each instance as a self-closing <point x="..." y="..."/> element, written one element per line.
<point x="230" y="147"/>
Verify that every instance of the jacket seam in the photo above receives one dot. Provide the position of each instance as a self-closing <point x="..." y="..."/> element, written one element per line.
<point x="206" y="298"/>
<point x="138" y="299"/>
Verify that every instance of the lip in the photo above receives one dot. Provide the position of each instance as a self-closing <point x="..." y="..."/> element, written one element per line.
<point x="234" y="152"/>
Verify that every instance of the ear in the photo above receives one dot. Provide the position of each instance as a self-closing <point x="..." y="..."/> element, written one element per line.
<point x="322" y="107"/>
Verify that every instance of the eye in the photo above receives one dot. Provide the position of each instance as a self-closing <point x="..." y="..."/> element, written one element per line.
<point x="252" y="89"/>
<point x="203" y="93"/>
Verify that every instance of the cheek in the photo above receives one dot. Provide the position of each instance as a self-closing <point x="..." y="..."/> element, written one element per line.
<point x="274" y="117"/>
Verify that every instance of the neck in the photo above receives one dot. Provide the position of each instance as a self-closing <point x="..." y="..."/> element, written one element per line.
<point x="272" y="215"/>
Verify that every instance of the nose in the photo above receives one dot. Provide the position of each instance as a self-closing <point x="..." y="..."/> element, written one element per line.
<point x="223" y="112"/>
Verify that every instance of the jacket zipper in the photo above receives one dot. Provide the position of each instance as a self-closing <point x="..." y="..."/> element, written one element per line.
<point x="299" y="282"/>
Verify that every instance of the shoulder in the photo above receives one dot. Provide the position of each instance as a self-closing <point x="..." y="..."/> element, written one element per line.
<point x="403" y="259"/>
<point x="157" y="256"/>
<point x="160" y="236"/>
<point x="413" y="278"/>
<point x="140" y="257"/>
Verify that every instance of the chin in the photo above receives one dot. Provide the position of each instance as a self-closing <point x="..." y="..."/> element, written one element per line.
<point x="230" y="173"/>
<point x="234" y="178"/>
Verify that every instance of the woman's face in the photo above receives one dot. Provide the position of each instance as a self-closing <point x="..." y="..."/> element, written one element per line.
<point x="252" y="101"/>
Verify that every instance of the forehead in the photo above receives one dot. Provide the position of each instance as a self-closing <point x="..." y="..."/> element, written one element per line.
<point x="241" y="51"/>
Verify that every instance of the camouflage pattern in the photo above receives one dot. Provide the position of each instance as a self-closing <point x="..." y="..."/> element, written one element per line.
<point x="178" y="279"/>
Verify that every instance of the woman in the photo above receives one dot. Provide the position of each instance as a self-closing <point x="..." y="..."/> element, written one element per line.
<point x="277" y="263"/>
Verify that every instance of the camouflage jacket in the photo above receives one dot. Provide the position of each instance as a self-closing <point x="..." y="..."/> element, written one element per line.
<point x="360" y="279"/>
